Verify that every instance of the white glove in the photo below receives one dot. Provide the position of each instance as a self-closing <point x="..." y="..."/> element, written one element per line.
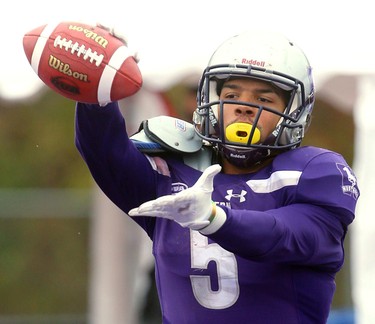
<point x="191" y="208"/>
<point x="115" y="32"/>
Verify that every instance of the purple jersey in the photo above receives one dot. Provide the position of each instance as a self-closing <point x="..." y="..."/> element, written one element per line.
<point x="275" y="258"/>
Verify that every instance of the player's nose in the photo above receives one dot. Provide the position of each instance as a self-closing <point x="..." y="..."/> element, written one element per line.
<point x="245" y="112"/>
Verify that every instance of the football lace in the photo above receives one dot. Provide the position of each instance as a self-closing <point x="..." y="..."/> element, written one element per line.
<point x="79" y="50"/>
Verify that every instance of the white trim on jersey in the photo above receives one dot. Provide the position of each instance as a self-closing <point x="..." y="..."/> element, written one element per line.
<point x="276" y="181"/>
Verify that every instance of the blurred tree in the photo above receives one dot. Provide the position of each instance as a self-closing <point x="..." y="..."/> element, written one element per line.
<point x="44" y="258"/>
<point x="37" y="144"/>
<point x="331" y="128"/>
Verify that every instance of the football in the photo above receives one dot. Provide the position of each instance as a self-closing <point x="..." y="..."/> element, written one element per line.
<point x="82" y="62"/>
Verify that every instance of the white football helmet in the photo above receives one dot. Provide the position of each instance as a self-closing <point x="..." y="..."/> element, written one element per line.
<point x="269" y="57"/>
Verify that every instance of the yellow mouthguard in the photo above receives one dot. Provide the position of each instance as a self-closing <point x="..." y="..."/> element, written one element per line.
<point x="240" y="132"/>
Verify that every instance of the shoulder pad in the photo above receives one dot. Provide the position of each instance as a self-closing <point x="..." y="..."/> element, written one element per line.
<point x="165" y="133"/>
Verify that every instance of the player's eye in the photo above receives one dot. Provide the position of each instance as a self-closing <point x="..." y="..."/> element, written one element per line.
<point x="263" y="99"/>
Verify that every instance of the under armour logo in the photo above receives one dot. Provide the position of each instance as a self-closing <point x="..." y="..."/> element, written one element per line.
<point x="230" y="194"/>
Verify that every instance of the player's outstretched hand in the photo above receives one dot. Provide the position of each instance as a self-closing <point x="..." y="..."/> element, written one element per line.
<point x="191" y="208"/>
<point x="113" y="31"/>
<point x="118" y="34"/>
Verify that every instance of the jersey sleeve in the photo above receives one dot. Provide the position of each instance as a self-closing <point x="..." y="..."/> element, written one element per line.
<point x="329" y="182"/>
<point x="308" y="229"/>
<point x="113" y="160"/>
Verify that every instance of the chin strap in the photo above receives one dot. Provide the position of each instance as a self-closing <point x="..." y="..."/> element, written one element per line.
<point x="244" y="158"/>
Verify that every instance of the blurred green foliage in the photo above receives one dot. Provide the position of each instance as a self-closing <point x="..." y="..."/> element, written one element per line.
<point x="44" y="260"/>
<point x="37" y="144"/>
<point x="44" y="266"/>
<point x="332" y="129"/>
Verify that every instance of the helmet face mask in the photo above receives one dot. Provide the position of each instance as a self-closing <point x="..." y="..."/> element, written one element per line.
<point x="291" y="73"/>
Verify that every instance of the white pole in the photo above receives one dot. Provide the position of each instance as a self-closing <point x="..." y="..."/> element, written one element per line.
<point x="121" y="252"/>
<point x="363" y="228"/>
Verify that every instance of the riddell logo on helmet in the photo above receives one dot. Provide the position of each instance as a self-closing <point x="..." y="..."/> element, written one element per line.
<point x="237" y="156"/>
<point x="253" y="62"/>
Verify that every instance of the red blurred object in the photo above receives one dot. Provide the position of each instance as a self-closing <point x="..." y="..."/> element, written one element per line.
<point x="82" y="62"/>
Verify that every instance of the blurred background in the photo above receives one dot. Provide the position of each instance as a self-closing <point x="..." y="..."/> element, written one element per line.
<point x="66" y="254"/>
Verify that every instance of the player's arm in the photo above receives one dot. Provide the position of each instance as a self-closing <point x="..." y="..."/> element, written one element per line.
<point x="309" y="231"/>
<point x="114" y="162"/>
<point x="301" y="234"/>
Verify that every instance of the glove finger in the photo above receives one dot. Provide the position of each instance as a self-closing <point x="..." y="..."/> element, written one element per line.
<point x="207" y="178"/>
<point x="120" y="35"/>
<point x="104" y="26"/>
<point x="115" y="32"/>
<point x="134" y="212"/>
<point x="145" y="211"/>
<point x="154" y="207"/>
<point x="142" y="209"/>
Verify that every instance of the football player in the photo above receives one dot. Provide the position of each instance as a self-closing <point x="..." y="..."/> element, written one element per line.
<point x="247" y="224"/>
